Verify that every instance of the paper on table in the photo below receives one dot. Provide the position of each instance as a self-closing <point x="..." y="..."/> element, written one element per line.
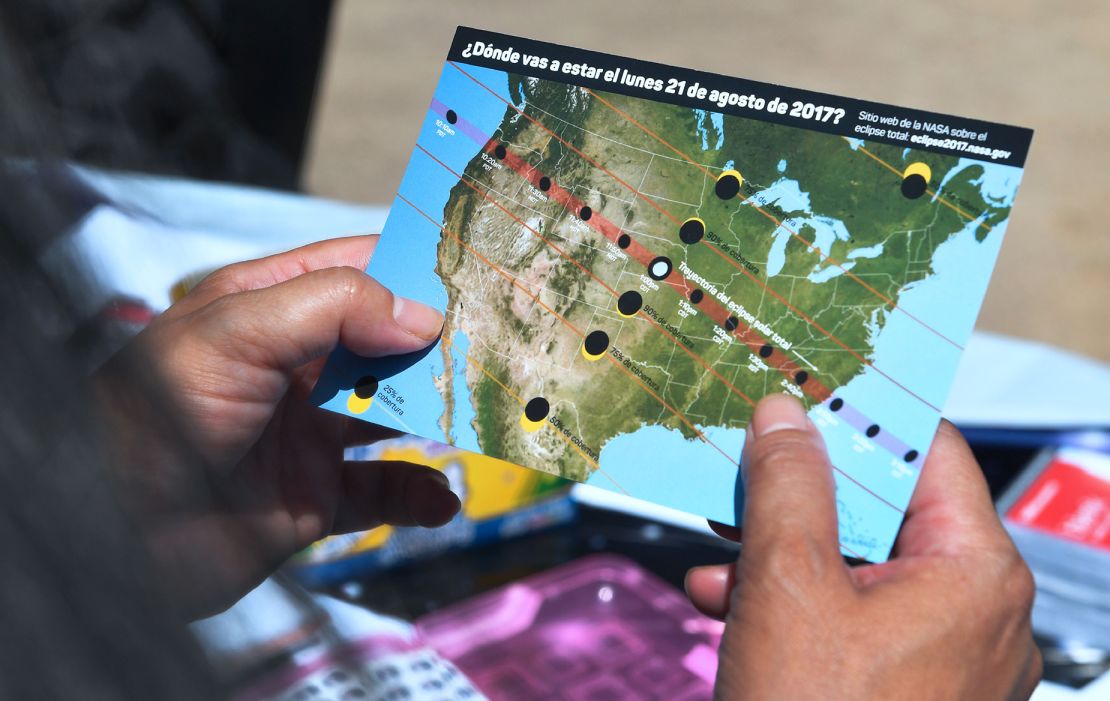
<point x="1005" y="382"/>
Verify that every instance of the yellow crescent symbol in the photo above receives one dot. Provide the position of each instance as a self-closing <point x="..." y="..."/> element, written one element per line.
<point x="733" y="173"/>
<point x="918" y="168"/>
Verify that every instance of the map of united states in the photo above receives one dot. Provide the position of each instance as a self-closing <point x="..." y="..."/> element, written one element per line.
<point x="784" y="252"/>
<point x="624" y="278"/>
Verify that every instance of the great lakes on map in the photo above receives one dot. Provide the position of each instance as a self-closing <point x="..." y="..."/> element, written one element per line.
<point x="624" y="278"/>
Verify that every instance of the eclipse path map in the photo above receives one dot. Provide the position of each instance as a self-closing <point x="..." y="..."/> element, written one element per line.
<point x="631" y="255"/>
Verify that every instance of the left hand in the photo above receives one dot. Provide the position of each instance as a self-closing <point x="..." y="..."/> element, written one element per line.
<point x="231" y="471"/>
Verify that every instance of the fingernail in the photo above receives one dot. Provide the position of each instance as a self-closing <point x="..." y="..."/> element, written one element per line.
<point x="438" y="505"/>
<point x="441" y="478"/>
<point x="744" y="453"/>
<point x="417" y="318"/>
<point x="779" y="412"/>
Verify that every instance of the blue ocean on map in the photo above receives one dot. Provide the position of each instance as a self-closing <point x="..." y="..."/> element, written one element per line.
<point x="410" y="238"/>
<point x="705" y="485"/>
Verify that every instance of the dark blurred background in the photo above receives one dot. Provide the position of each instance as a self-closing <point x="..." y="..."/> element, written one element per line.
<point x="204" y="88"/>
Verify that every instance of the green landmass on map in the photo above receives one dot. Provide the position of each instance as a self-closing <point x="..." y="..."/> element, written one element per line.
<point x="520" y="350"/>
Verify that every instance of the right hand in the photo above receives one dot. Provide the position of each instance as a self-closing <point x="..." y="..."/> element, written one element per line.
<point x="946" y="618"/>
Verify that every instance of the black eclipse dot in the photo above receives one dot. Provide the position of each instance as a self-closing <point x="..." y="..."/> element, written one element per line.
<point x="914" y="186"/>
<point x="624" y="240"/>
<point x="727" y="187"/>
<point x="500" y="152"/>
<point x="537" y="409"/>
<point x="630" y="302"/>
<point x="766" y="351"/>
<point x="731" y="323"/>
<point x="872" y="430"/>
<point x="545" y="183"/>
<point x="691" y="231"/>
<point x="366" y="387"/>
<point x="836" y="404"/>
<point x="696" y="296"/>
<point x="659" y="268"/>
<point x="452" y="117"/>
<point x="585" y="213"/>
<point x="596" y="342"/>
<point x="801" y="377"/>
<point x="911" y="456"/>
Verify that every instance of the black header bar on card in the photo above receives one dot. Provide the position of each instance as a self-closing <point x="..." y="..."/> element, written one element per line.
<point x="843" y="116"/>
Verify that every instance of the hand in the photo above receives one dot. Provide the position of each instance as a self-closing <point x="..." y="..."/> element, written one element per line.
<point x="946" y="618"/>
<point x="231" y="471"/>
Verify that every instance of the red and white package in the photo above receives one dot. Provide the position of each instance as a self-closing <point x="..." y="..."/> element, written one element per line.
<point x="1058" y="513"/>
<point x="1069" y="498"/>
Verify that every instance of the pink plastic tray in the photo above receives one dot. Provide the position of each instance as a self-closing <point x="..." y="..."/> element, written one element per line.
<point x="596" y="629"/>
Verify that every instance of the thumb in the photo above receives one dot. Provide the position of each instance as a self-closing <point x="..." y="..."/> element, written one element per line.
<point x="284" y="326"/>
<point x="790" y="514"/>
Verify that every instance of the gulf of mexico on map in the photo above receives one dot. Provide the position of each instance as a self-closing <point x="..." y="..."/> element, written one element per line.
<point x="631" y="255"/>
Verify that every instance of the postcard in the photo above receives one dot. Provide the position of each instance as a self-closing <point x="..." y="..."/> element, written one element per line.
<point x="630" y="255"/>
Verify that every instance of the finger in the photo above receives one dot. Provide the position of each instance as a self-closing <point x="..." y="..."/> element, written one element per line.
<point x="350" y="251"/>
<point x="727" y="532"/>
<point x="951" y="509"/>
<point x="1034" y="671"/>
<point x="289" y="324"/>
<point x="790" y="512"/>
<point x="394" y="493"/>
<point x="710" y="588"/>
<point x="305" y="377"/>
